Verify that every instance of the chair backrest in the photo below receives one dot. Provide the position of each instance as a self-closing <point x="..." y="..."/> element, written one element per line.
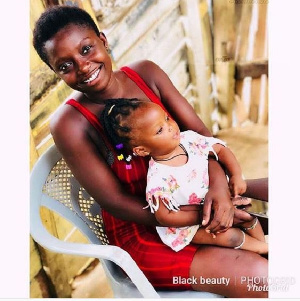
<point x="54" y="187"/>
<point x="62" y="186"/>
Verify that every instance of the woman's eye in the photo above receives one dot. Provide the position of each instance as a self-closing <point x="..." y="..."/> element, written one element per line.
<point x="86" y="49"/>
<point x="64" y="67"/>
<point x="159" y="131"/>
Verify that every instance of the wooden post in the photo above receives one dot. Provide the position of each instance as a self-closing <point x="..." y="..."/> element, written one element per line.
<point x="196" y="57"/>
<point x="258" y="53"/>
<point x="224" y="40"/>
<point x="207" y="36"/>
<point x="33" y="152"/>
<point x="242" y="38"/>
<point x="264" y="117"/>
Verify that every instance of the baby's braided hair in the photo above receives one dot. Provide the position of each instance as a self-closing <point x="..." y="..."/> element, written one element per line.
<point x="115" y="112"/>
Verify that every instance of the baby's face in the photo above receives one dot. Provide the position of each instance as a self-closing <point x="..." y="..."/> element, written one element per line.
<point x="154" y="129"/>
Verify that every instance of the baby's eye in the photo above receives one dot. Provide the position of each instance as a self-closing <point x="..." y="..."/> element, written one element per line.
<point x="167" y="118"/>
<point x="159" y="131"/>
<point x="86" y="49"/>
<point x="64" y="67"/>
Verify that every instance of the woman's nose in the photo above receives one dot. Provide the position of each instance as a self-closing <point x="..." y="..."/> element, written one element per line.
<point x="83" y="66"/>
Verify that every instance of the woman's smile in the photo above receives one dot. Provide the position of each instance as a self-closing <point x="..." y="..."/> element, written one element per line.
<point x="91" y="78"/>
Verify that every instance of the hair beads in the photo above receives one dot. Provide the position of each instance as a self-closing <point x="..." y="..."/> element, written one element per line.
<point x="121" y="156"/>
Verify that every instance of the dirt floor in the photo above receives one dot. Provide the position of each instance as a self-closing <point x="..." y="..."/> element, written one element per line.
<point x="92" y="283"/>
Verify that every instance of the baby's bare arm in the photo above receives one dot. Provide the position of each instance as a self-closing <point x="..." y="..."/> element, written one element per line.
<point x="181" y="218"/>
<point x="236" y="183"/>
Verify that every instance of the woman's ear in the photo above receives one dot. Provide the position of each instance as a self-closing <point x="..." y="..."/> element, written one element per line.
<point x="103" y="39"/>
<point x="140" y="151"/>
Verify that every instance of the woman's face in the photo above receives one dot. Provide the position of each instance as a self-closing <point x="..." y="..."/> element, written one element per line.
<point x="79" y="57"/>
<point x="154" y="130"/>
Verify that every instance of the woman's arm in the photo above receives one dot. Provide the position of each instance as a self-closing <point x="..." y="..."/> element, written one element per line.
<point x="69" y="130"/>
<point x="257" y="189"/>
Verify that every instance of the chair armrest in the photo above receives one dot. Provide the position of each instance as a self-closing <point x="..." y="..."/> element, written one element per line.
<point x="112" y="253"/>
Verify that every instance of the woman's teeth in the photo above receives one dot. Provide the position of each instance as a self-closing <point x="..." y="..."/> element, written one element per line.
<point x="93" y="76"/>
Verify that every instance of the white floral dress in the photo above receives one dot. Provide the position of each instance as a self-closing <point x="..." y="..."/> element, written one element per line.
<point x="181" y="185"/>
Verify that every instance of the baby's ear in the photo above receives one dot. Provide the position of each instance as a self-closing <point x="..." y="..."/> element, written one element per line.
<point x="140" y="151"/>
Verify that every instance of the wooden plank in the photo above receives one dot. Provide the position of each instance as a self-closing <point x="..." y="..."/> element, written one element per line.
<point x="241" y="46"/>
<point x="240" y="112"/>
<point x="253" y="68"/>
<point x="242" y="31"/>
<point x="207" y="35"/>
<point x="196" y="58"/>
<point x="143" y="17"/>
<point x="33" y="152"/>
<point x="225" y="89"/>
<point x="224" y="39"/>
<point x="260" y="38"/>
<point x="157" y="42"/>
<point x="255" y="100"/>
<point x="108" y="15"/>
<point x="264" y="117"/>
<point x="224" y="29"/>
<point x="42" y="110"/>
<point x="258" y="53"/>
<point x="179" y="76"/>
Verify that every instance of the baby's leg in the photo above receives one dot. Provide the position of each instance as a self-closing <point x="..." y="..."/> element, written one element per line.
<point x="254" y="229"/>
<point x="232" y="238"/>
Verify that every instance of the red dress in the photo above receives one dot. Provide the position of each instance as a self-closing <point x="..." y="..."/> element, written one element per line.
<point x="158" y="262"/>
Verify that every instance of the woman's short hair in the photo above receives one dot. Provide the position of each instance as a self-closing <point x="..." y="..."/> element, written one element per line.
<point x="53" y="20"/>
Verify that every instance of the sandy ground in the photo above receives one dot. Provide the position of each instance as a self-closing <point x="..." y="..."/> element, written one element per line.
<point x="92" y="283"/>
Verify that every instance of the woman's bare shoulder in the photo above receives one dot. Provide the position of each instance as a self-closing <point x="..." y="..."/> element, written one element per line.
<point x="150" y="72"/>
<point x="67" y="124"/>
<point x="145" y="68"/>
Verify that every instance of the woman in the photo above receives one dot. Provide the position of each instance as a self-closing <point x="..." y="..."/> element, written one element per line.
<point x="67" y="39"/>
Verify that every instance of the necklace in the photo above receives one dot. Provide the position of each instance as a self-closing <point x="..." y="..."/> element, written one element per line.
<point x="181" y="154"/>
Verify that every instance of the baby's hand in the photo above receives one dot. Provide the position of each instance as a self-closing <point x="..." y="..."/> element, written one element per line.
<point x="237" y="186"/>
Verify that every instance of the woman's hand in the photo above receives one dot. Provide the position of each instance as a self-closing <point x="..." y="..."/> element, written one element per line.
<point x="241" y="216"/>
<point x="218" y="200"/>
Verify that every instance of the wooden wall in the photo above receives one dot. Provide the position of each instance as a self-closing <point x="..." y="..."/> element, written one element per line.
<point x="214" y="54"/>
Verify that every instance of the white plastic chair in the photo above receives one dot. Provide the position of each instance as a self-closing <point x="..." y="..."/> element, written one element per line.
<point x="52" y="185"/>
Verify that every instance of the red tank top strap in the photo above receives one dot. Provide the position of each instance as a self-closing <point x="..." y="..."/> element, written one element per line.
<point x="91" y="117"/>
<point x="142" y="85"/>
